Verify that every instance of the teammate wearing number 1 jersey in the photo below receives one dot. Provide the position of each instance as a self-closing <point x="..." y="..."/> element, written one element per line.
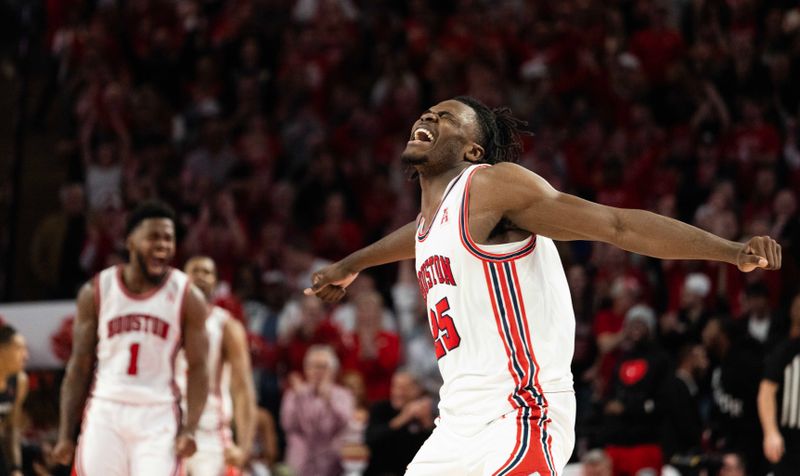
<point x="499" y="307"/>
<point x="131" y="321"/>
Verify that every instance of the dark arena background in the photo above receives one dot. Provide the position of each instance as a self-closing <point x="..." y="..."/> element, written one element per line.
<point x="274" y="129"/>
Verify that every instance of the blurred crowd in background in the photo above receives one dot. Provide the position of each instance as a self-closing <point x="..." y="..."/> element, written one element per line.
<point x="274" y="127"/>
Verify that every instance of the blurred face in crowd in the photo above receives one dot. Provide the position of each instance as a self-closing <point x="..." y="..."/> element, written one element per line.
<point x="637" y="331"/>
<point x="698" y="361"/>
<point x="369" y="311"/>
<point x="312" y="312"/>
<point x="442" y="137"/>
<point x="151" y="246"/>
<point x="320" y="365"/>
<point x="203" y="273"/>
<point x="14" y="354"/>
<point x="731" y="466"/>
<point x="403" y="390"/>
<point x="73" y="199"/>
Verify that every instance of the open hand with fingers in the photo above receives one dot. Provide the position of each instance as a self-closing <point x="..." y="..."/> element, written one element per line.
<point x="759" y="252"/>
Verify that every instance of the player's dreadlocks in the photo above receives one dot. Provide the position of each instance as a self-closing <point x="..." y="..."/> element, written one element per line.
<point x="500" y="132"/>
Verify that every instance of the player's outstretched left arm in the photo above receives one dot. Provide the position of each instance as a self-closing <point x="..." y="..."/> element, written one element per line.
<point x="243" y="394"/>
<point x="75" y="386"/>
<point x="511" y="191"/>
<point x="195" y="348"/>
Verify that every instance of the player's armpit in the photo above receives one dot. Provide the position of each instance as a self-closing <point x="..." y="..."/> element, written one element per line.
<point x="195" y="347"/>
<point x="81" y="362"/>
<point x="243" y="392"/>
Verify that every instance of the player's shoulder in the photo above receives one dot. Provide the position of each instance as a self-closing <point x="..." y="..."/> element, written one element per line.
<point x="499" y="175"/>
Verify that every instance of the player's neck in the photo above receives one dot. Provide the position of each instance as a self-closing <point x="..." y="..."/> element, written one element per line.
<point x="433" y="182"/>
<point x="135" y="282"/>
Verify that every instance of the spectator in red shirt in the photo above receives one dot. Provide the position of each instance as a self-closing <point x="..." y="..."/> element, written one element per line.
<point x="306" y="326"/>
<point x="371" y="351"/>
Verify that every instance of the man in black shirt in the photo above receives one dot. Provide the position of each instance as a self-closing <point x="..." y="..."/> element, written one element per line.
<point x="398" y="426"/>
<point x="632" y="415"/>
<point x="683" y="426"/>
<point x="779" y="401"/>
<point x="13" y="390"/>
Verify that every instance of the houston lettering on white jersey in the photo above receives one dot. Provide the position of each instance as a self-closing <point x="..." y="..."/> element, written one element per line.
<point x="138" y="339"/>
<point x="501" y="316"/>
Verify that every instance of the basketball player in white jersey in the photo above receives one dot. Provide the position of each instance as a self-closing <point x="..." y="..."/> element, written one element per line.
<point x="499" y="306"/>
<point x="230" y="384"/>
<point x="131" y="321"/>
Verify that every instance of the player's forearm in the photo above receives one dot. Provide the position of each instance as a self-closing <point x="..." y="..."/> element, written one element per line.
<point x="244" y="416"/>
<point x="73" y="396"/>
<point x="196" y="393"/>
<point x="649" y="234"/>
<point x="396" y="246"/>
<point x="767" y="412"/>
<point x="15" y="450"/>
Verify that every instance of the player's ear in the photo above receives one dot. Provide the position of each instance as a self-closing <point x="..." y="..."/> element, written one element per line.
<point x="474" y="153"/>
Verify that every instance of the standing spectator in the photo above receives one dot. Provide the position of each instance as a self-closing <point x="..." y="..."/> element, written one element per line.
<point x="371" y="351"/>
<point x="779" y="401"/>
<point x="608" y="328"/>
<point x="734" y="387"/>
<point x="218" y="234"/>
<point x="685" y="326"/>
<point x="214" y="160"/>
<point x="103" y="174"/>
<point x="683" y="425"/>
<point x="13" y="390"/>
<point x="57" y="244"/>
<point x="398" y="426"/>
<point x="633" y="412"/>
<point x="314" y="414"/>
<point x="759" y="321"/>
<point x="307" y="325"/>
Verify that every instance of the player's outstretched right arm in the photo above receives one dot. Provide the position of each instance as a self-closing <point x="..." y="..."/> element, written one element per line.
<point x="79" y="372"/>
<point x="329" y="282"/>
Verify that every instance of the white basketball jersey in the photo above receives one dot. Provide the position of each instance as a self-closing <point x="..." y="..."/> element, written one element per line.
<point x="501" y="315"/>
<point x="219" y="407"/>
<point x="138" y="339"/>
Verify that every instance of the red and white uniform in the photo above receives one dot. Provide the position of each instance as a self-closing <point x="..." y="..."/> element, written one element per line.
<point x="214" y="430"/>
<point x="504" y="329"/>
<point x="132" y="415"/>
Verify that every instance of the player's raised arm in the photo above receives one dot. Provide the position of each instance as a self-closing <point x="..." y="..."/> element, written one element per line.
<point x="75" y="386"/>
<point x="531" y="203"/>
<point x="243" y="394"/>
<point x="195" y="348"/>
<point x="329" y="282"/>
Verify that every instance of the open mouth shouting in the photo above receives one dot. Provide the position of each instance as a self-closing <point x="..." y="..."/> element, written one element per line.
<point x="422" y="135"/>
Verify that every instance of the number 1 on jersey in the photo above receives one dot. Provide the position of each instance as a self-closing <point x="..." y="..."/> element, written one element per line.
<point x="443" y="329"/>
<point x="133" y="368"/>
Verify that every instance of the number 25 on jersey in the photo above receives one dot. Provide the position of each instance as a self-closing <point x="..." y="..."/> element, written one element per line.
<point x="443" y="329"/>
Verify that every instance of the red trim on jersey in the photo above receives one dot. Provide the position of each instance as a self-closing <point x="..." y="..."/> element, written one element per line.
<point x="525" y="248"/>
<point x="532" y="459"/>
<point x="516" y="336"/>
<point x="521" y="302"/>
<point x="514" y="451"/>
<point x="422" y="234"/>
<point x="537" y="385"/>
<point x="145" y="295"/>
<point x="497" y="320"/>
